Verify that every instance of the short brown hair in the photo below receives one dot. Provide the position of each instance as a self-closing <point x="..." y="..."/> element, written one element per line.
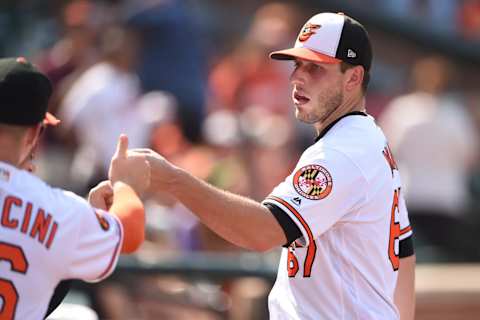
<point x="344" y="66"/>
<point x="15" y="131"/>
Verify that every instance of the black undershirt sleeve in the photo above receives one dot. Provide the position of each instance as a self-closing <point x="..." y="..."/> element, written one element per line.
<point x="292" y="231"/>
<point x="406" y="247"/>
<point x="59" y="294"/>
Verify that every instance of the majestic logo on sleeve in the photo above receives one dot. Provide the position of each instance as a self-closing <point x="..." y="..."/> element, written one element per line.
<point x="313" y="182"/>
<point x="307" y="31"/>
<point x="297" y="201"/>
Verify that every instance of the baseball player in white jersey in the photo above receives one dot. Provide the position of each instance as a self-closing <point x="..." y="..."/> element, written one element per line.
<point x="340" y="215"/>
<point x="48" y="235"/>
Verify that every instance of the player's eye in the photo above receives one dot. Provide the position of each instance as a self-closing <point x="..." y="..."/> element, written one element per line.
<point x="296" y="64"/>
<point x="313" y="67"/>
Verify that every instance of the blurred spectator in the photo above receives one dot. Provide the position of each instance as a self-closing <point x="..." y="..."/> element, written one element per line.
<point x="100" y="105"/>
<point x="172" y="58"/>
<point x="435" y="144"/>
<point x="74" y="51"/>
<point x="469" y="19"/>
<point x="252" y="86"/>
<point x="63" y="63"/>
<point x="270" y="152"/>
<point x="247" y="77"/>
<point x="438" y="14"/>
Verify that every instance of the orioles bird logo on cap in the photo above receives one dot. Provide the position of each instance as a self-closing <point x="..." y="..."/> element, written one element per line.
<point x="307" y="31"/>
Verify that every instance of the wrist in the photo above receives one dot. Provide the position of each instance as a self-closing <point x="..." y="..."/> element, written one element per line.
<point x="119" y="184"/>
<point x="176" y="182"/>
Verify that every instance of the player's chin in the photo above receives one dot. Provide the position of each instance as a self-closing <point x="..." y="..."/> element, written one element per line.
<point x="299" y="109"/>
<point x="301" y="113"/>
<point x="305" y="117"/>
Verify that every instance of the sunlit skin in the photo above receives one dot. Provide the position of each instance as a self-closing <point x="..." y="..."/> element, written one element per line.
<point x="18" y="145"/>
<point x="316" y="90"/>
<point x="28" y="156"/>
<point x="321" y="91"/>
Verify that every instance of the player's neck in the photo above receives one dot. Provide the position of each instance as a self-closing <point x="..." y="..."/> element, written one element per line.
<point x="9" y="153"/>
<point x="348" y="105"/>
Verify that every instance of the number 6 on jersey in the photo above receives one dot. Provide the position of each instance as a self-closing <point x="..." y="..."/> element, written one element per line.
<point x="8" y="294"/>
<point x="394" y="241"/>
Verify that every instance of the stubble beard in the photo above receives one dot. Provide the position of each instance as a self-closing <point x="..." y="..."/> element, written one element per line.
<point x="326" y="104"/>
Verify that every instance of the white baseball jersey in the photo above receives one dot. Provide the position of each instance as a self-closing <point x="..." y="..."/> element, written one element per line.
<point x="48" y="235"/>
<point x="345" y="196"/>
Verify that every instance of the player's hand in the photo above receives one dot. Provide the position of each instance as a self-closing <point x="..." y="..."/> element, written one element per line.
<point x="130" y="168"/>
<point x="163" y="173"/>
<point x="101" y="196"/>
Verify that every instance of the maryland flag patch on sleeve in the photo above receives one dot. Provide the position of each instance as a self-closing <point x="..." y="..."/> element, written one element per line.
<point x="313" y="182"/>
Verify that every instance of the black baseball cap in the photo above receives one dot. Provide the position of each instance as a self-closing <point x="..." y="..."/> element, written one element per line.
<point x="24" y="94"/>
<point x="331" y="38"/>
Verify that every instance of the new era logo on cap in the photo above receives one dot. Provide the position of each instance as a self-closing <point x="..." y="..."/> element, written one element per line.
<point x="331" y="38"/>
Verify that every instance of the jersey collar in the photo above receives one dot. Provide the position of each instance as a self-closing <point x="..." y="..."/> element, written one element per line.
<point x="325" y="130"/>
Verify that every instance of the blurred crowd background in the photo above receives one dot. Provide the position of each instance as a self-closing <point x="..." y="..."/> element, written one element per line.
<point x="192" y="80"/>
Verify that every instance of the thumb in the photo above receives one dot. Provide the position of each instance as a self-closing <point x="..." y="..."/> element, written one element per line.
<point x="122" y="147"/>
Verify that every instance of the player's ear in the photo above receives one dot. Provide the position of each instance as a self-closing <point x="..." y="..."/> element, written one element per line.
<point x="354" y="77"/>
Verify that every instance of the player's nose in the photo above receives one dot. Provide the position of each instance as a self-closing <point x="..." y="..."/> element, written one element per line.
<point x="297" y="78"/>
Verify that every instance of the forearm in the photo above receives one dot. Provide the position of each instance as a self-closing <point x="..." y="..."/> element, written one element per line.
<point x="405" y="289"/>
<point x="237" y="219"/>
<point x="129" y="210"/>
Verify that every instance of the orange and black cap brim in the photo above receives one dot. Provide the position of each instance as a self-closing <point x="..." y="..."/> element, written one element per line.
<point x="303" y="54"/>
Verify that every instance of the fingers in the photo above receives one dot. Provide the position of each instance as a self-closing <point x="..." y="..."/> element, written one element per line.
<point x="101" y="196"/>
<point x="148" y="153"/>
<point x="103" y="189"/>
<point x="143" y="151"/>
<point x="148" y="174"/>
<point x="132" y="167"/>
<point x="105" y="186"/>
<point x="122" y="147"/>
